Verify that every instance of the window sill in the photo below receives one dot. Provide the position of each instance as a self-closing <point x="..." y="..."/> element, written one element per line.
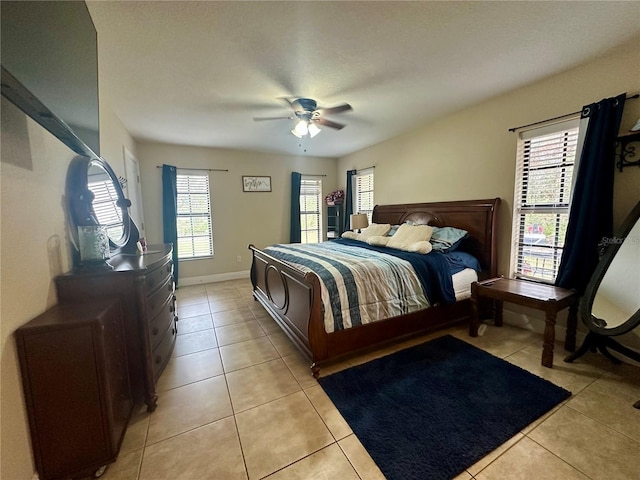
<point x="189" y="259"/>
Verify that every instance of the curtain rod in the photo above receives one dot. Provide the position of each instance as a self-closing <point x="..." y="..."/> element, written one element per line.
<point x="199" y="169"/>
<point x="637" y="95"/>
<point x="312" y="175"/>
<point x="365" y="169"/>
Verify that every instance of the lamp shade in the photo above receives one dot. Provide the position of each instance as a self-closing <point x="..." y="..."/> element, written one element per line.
<point x="358" y="220"/>
<point x="301" y="129"/>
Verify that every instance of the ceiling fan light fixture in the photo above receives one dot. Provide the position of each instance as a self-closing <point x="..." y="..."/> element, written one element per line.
<point x="313" y="130"/>
<point x="301" y="129"/>
<point x="307" y="116"/>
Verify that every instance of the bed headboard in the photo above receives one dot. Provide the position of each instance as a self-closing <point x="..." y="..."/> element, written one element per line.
<point x="478" y="217"/>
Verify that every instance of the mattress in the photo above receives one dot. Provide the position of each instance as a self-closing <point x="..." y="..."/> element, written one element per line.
<point x="462" y="283"/>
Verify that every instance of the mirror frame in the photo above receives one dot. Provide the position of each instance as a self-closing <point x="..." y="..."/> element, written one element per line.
<point x="79" y="202"/>
<point x="586" y="302"/>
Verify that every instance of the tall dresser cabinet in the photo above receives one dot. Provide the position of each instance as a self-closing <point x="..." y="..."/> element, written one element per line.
<point x="74" y="374"/>
<point x="144" y="284"/>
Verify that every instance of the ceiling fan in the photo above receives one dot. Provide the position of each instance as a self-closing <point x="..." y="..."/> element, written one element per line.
<point x="308" y="116"/>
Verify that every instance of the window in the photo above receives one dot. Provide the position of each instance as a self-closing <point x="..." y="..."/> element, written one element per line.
<point x="363" y="201"/>
<point x="195" y="236"/>
<point x="546" y="161"/>
<point x="310" y="210"/>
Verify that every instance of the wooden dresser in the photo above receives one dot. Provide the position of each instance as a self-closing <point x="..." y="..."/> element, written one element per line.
<point x="73" y="362"/>
<point x="144" y="284"/>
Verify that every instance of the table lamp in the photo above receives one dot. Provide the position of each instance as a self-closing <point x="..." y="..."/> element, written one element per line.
<point x="359" y="221"/>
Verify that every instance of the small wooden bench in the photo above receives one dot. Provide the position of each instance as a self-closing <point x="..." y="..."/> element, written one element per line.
<point x="547" y="298"/>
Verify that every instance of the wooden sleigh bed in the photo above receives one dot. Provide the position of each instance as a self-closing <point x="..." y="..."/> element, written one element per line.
<point x="293" y="297"/>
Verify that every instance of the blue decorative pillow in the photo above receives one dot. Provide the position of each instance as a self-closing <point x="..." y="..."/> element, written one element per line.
<point x="394" y="229"/>
<point x="458" y="261"/>
<point x="447" y="238"/>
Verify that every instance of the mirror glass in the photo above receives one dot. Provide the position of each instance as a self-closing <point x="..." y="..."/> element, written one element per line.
<point x="618" y="296"/>
<point x="616" y="301"/>
<point x="95" y="197"/>
<point x="106" y="202"/>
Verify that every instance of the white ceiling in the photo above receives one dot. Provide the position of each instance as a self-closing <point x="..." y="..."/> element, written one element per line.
<point x="196" y="73"/>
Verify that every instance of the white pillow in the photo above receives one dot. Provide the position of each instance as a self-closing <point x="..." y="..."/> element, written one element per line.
<point x="378" y="240"/>
<point x="375" y="230"/>
<point x="419" y="247"/>
<point x="351" y="235"/>
<point x="409" y="234"/>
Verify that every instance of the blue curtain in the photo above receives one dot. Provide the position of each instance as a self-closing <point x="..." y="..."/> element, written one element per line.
<point x="348" y="207"/>
<point x="591" y="214"/>
<point x="295" y="236"/>
<point x="170" y="212"/>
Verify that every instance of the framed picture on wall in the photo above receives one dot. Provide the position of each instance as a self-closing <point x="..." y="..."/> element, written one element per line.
<point x="256" y="184"/>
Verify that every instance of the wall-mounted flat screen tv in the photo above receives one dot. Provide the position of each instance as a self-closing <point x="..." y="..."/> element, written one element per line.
<point x="49" y="55"/>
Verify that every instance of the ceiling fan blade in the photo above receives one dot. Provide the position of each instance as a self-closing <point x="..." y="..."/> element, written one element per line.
<point x="259" y="119"/>
<point x="288" y="102"/>
<point x="328" y="123"/>
<point x="337" y="109"/>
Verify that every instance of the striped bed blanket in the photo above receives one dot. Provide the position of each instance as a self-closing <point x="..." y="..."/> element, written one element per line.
<point x="361" y="284"/>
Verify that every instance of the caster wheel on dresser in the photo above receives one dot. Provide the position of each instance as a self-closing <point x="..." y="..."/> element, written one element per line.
<point x="100" y="472"/>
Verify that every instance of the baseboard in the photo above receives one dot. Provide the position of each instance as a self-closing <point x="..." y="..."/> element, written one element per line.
<point x="218" y="277"/>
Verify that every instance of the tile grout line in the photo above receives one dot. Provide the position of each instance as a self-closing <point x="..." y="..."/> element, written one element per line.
<point x="560" y="458"/>
<point x="235" y="422"/>
<point x="608" y="427"/>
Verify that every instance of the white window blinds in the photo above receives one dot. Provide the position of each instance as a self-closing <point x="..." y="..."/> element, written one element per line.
<point x="311" y="210"/>
<point x="546" y="161"/>
<point x="364" y="192"/>
<point x="195" y="233"/>
<point x="108" y="213"/>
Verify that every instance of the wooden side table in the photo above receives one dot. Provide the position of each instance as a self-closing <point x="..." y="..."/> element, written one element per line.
<point x="543" y="297"/>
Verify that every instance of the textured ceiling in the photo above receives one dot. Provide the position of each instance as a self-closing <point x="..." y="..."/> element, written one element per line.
<point x="196" y="73"/>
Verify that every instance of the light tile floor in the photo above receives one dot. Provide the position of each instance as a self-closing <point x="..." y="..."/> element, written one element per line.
<point x="237" y="401"/>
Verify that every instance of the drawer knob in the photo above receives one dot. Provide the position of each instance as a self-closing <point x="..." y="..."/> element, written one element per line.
<point x="169" y="268"/>
<point x="172" y="308"/>
<point x="170" y="287"/>
<point x="173" y="331"/>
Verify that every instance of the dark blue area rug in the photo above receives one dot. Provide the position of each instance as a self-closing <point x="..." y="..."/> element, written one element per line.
<point x="433" y="410"/>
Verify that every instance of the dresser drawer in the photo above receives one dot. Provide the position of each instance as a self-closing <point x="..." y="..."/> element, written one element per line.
<point x="158" y="326"/>
<point x="162" y="352"/>
<point x="158" y="298"/>
<point x="158" y="276"/>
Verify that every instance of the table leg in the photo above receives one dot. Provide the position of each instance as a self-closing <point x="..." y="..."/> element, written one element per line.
<point x="475" y="317"/>
<point x="549" y="338"/>
<point x="572" y="324"/>
<point x="497" y="312"/>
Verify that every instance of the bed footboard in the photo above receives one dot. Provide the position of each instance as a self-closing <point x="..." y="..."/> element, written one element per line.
<point x="292" y="298"/>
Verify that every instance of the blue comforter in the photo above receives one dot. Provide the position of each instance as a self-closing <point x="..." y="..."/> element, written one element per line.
<point x="433" y="270"/>
<point x="362" y="283"/>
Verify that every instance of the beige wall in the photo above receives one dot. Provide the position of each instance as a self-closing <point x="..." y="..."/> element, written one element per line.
<point x="113" y="139"/>
<point x="34" y="249"/>
<point x="238" y="218"/>
<point x="471" y="154"/>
